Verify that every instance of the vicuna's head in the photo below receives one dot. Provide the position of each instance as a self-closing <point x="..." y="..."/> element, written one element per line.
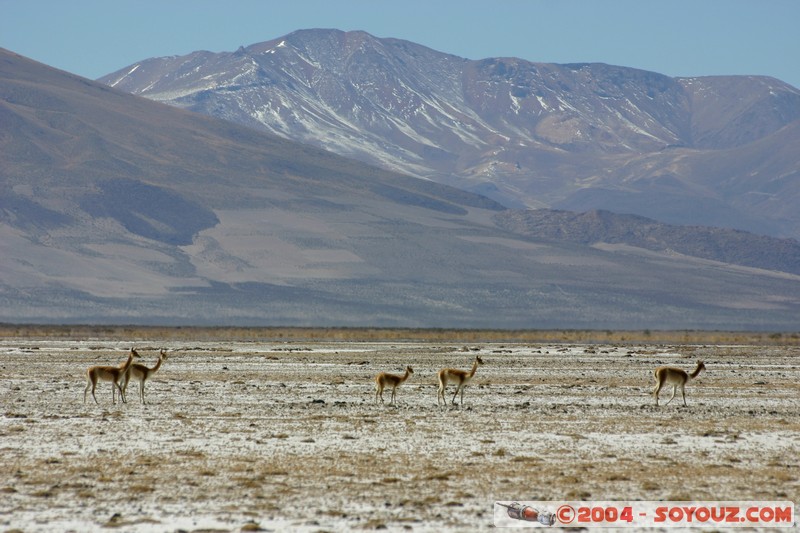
<point x="409" y="370"/>
<point x="163" y="354"/>
<point x="478" y="360"/>
<point x="134" y="353"/>
<point x="700" y="367"/>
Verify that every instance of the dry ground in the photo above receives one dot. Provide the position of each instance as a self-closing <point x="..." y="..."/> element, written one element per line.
<point x="276" y="435"/>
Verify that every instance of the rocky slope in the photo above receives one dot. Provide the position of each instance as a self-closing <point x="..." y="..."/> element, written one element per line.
<point x="709" y="150"/>
<point x="603" y="227"/>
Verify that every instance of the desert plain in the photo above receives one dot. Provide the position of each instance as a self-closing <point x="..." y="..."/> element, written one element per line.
<point x="276" y="432"/>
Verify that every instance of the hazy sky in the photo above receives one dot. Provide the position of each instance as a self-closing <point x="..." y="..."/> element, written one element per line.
<point x="674" y="37"/>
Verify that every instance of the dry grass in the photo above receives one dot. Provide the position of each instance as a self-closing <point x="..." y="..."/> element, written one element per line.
<point x="276" y="435"/>
<point x="288" y="334"/>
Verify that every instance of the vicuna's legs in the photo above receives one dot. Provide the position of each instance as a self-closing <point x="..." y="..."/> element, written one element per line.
<point x="675" y="377"/>
<point x="459" y="377"/>
<point x="384" y="379"/>
<point x="114" y="374"/>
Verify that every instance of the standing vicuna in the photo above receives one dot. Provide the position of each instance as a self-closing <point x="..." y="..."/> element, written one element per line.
<point x="385" y="379"/>
<point x="141" y="373"/>
<point x="460" y="377"/>
<point x="114" y="374"/>
<point x="675" y="377"/>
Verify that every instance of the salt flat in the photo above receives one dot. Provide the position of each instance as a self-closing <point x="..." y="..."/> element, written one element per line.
<point x="286" y="435"/>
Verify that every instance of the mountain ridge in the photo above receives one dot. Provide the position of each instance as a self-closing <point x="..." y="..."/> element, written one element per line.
<point x="527" y="134"/>
<point x="603" y="227"/>
<point x="116" y="209"/>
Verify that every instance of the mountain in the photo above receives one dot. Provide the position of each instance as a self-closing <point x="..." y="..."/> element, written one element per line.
<point x="118" y="209"/>
<point x="603" y="227"/>
<point x="715" y="151"/>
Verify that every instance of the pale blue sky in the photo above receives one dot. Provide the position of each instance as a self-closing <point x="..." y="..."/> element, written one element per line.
<point x="674" y="37"/>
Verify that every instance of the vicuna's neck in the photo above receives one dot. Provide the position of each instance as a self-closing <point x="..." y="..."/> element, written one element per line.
<point x="128" y="362"/>
<point x="697" y="371"/>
